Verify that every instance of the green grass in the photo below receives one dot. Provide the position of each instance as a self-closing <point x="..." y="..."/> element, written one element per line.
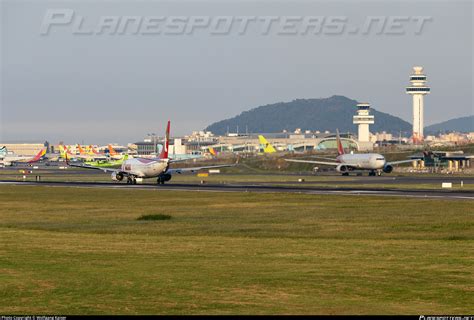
<point x="83" y="251"/>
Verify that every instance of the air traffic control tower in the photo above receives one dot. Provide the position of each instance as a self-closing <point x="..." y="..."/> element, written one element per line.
<point x="363" y="119"/>
<point x="418" y="90"/>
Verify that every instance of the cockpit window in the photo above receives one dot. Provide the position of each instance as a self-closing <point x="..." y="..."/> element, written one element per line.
<point x="380" y="158"/>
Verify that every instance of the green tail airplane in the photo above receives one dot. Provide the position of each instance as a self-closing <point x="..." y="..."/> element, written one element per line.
<point x="107" y="163"/>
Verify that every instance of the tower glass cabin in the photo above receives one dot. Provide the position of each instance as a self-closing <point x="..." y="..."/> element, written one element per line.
<point x="418" y="90"/>
<point x="363" y="119"/>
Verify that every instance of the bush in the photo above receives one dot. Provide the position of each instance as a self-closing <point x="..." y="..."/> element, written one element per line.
<point x="148" y="217"/>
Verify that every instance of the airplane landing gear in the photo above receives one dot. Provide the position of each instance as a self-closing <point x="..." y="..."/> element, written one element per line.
<point x="345" y="174"/>
<point x="160" y="180"/>
<point x="131" y="180"/>
<point x="372" y="173"/>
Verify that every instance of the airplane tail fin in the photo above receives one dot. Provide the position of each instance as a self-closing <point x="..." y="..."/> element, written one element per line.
<point x="340" y="148"/>
<point x="81" y="151"/>
<point x="213" y="151"/>
<point x="93" y="150"/>
<point x="267" y="146"/>
<point x="38" y="156"/>
<point x="63" y="150"/>
<point x="164" y="152"/>
<point x="112" y="152"/>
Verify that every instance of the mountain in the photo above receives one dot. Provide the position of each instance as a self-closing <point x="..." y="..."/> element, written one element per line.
<point x="464" y="124"/>
<point x="308" y="114"/>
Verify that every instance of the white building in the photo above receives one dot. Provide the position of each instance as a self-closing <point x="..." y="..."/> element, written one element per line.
<point x="418" y="90"/>
<point x="363" y="119"/>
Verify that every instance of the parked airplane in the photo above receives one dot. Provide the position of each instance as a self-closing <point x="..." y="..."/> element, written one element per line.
<point x="90" y="154"/>
<point x="66" y="152"/>
<point x="345" y="163"/>
<point x="106" y="163"/>
<point x="9" y="159"/>
<point x="140" y="168"/>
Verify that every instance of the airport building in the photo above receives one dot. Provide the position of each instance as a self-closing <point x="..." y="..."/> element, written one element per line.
<point x="293" y="142"/>
<point x="418" y="90"/>
<point x="363" y="119"/>
<point x="442" y="161"/>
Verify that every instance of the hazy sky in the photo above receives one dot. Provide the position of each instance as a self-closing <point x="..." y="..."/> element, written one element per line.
<point x="118" y="87"/>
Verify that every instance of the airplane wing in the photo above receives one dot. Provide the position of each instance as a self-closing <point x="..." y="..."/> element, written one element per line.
<point x="314" y="162"/>
<point x="318" y="157"/>
<point x="194" y="169"/>
<point x="399" y="162"/>
<point x="84" y="166"/>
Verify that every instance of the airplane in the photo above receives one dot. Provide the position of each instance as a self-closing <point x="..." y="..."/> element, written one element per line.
<point x="141" y="168"/>
<point x="113" y="154"/>
<point x="93" y="151"/>
<point x="373" y="162"/>
<point x="9" y="159"/>
<point x="267" y="146"/>
<point x="66" y="152"/>
<point x="91" y="154"/>
<point x="106" y="163"/>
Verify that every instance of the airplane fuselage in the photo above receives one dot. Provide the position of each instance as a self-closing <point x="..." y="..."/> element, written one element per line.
<point x="8" y="160"/>
<point x="364" y="161"/>
<point x="145" y="168"/>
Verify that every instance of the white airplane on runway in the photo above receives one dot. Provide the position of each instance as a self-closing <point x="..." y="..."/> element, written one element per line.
<point x="140" y="168"/>
<point x="373" y="162"/>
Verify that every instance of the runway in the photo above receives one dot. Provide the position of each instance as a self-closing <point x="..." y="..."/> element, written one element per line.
<point x="328" y="178"/>
<point x="424" y="194"/>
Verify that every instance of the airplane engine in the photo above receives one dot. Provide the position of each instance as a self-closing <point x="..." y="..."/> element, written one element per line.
<point x="162" y="178"/>
<point x="388" y="168"/>
<point x="342" y="168"/>
<point x="166" y="177"/>
<point x="117" y="176"/>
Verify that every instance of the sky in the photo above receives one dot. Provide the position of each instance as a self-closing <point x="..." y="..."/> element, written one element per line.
<point x="112" y="86"/>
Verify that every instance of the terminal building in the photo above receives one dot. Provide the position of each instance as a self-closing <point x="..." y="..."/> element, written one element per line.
<point x="438" y="161"/>
<point x="293" y="142"/>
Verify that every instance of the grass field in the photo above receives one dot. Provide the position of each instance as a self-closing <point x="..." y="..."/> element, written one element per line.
<point x="85" y="251"/>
